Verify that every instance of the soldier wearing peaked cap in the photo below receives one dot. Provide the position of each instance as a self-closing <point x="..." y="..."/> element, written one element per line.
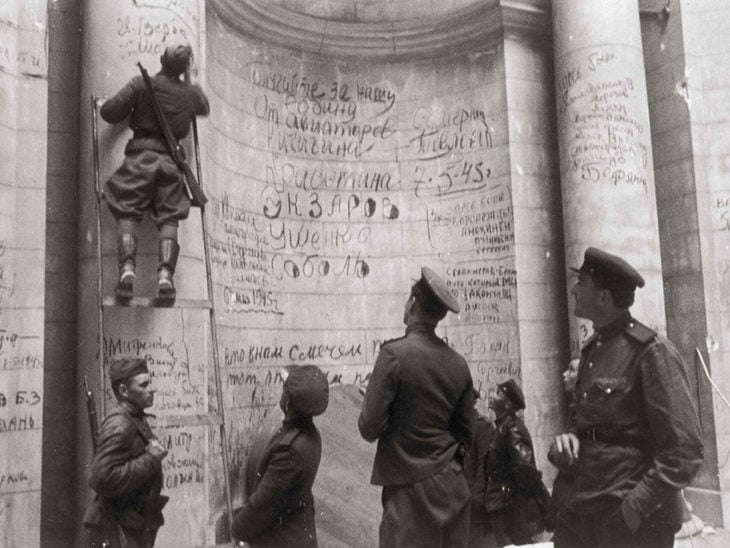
<point x="126" y="472"/>
<point x="419" y="407"/>
<point x="280" y="472"/>
<point x="149" y="180"/>
<point x="635" y="438"/>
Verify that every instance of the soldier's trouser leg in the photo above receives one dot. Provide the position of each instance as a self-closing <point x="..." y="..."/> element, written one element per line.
<point x="607" y="529"/>
<point x="127" y="255"/>
<point x="434" y="512"/>
<point x="168" y="254"/>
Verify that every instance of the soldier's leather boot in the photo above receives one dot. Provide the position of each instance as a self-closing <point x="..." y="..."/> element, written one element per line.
<point x="168" y="253"/>
<point x="127" y="253"/>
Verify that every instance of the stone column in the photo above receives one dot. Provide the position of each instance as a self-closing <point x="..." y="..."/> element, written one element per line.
<point x="23" y="306"/>
<point x="606" y="166"/>
<point x="116" y="35"/>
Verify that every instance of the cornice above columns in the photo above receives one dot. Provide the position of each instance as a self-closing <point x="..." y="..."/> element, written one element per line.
<point x="462" y="30"/>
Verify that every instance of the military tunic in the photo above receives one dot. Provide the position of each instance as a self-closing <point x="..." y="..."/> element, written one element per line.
<point x="640" y="440"/>
<point x="149" y="179"/>
<point x="127" y="480"/>
<point x="279" y="511"/>
<point x="419" y="406"/>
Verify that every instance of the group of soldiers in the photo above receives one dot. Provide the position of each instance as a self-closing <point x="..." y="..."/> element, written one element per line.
<point x="449" y="477"/>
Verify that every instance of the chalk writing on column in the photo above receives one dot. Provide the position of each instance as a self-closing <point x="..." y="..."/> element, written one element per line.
<point x="7" y="276"/>
<point x="184" y="465"/>
<point x="309" y="118"/>
<point x="150" y="34"/>
<point x="482" y="223"/>
<point x="13" y="480"/>
<point x="446" y="131"/>
<point x="721" y="213"/>
<point x="455" y="176"/>
<point x="14" y="353"/>
<point x="607" y="143"/>
<point x="486" y="289"/>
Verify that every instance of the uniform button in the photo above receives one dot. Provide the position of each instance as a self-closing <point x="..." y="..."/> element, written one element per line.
<point x="598" y="344"/>
<point x="608" y="390"/>
<point x="631" y="324"/>
<point x="585" y="395"/>
<point x="590" y="365"/>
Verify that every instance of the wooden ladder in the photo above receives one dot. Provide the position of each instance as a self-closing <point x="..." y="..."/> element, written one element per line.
<point x="111" y="301"/>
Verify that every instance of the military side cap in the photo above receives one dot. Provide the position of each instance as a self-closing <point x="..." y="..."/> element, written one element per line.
<point x="513" y="392"/>
<point x="177" y="56"/>
<point x="126" y="367"/>
<point x="308" y="390"/>
<point x="611" y="269"/>
<point x="439" y="289"/>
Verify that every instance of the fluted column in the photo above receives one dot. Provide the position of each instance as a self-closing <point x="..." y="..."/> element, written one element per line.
<point x="606" y="167"/>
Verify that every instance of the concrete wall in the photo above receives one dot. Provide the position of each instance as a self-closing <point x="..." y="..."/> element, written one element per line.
<point x="334" y="181"/>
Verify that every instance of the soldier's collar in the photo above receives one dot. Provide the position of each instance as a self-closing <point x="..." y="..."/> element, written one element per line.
<point x="297" y="421"/>
<point x="615" y="327"/>
<point x="132" y="410"/>
<point x="420" y="327"/>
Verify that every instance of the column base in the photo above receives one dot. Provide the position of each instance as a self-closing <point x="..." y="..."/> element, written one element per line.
<point x="708" y="504"/>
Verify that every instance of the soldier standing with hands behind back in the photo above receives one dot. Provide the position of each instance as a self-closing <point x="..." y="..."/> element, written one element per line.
<point x="126" y="471"/>
<point x="635" y="440"/>
<point x="419" y="406"/>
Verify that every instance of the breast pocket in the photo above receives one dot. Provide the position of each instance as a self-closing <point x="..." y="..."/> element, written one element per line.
<point x="607" y="386"/>
<point x="605" y="399"/>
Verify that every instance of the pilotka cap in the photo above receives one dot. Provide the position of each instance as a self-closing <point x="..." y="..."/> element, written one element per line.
<point x="439" y="289"/>
<point x="610" y="269"/>
<point x="308" y="390"/>
<point x="126" y="367"/>
<point x="177" y="57"/>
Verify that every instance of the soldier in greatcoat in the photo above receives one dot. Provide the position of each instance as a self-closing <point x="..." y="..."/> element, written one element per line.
<point x="279" y="508"/>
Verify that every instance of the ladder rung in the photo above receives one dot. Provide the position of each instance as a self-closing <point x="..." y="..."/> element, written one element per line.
<point x="154" y="302"/>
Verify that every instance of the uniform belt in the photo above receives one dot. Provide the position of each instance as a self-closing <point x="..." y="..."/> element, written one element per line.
<point x="144" y="134"/>
<point x="596" y="434"/>
<point x="138" y="144"/>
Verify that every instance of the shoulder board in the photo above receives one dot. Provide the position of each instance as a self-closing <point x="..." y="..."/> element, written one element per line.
<point x="638" y="331"/>
<point x="588" y="342"/>
<point x="289" y="436"/>
<point x="392" y="340"/>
